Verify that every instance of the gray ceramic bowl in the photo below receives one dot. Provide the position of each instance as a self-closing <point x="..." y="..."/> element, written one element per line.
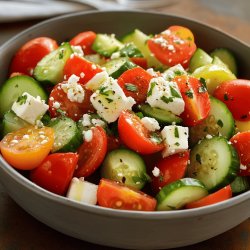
<point x="124" y="229"/>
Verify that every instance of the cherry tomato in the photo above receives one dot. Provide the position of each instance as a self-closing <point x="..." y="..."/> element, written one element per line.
<point x="55" y="172"/>
<point x="172" y="168"/>
<point x="140" y="61"/>
<point x="172" y="46"/>
<point x="85" y="40"/>
<point x="241" y="143"/>
<point x="220" y="195"/>
<point x="80" y="67"/>
<point x="135" y="135"/>
<point x="58" y="100"/>
<point x="196" y="98"/>
<point x="235" y="94"/>
<point x="116" y="195"/>
<point x="113" y="142"/>
<point x="27" y="147"/>
<point x="134" y="83"/>
<point x="92" y="153"/>
<point x="27" y="57"/>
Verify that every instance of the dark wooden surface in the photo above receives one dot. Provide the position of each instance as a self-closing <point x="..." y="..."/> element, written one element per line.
<point x="20" y="231"/>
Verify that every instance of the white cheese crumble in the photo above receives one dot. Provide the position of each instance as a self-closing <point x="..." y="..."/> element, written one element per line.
<point x="95" y="82"/>
<point x="77" y="50"/>
<point x="156" y="172"/>
<point x="56" y="105"/>
<point x="150" y="123"/>
<point x="86" y="122"/>
<point x="88" y="135"/>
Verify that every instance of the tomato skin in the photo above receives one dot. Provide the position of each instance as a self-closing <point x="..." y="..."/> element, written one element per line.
<point x="173" y="46"/>
<point x="25" y="148"/>
<point x="172" y="168"/>
<point x="80" y="67"/>
<point x="241" y="142"/>
<point x="196" y="98"/>
<point x="223" y="194"/>
<point x="113" y="142"/>
<point x="116" y="195"/>
<point x="138" y="77"/>
<point x="140" y="61"/>
<point x="135" y="135"/>
<point x="55" y="172"/>
<point x="74" y="110"/>
<point x="92" y="153"/>
<point x="27" y="57"/>
<point x="85" y="40"/>
<point x="235" y="94"/>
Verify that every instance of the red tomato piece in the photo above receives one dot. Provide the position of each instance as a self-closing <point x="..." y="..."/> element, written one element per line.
<point x="235" y="94"/>
<point x="80" y="67"/>
<point x="172" y="168"/>
<point x="196" y="98"/>
<point x="85" y="40"/>
<point x="92" y="153"/>
<point x="74" y="110"/>
<point x="241" y="143"/>
<point x="55" y="172"/>
<point x="116" y="195"/>
<point x="27" y="57"/>
<point x="135" y="135"/>
<point x="113" y="142"/>
<point x="220" y="195"/>
<point x="172" y="46"/>
<point x="134" y="82"/>
<point x="140" y="61"/>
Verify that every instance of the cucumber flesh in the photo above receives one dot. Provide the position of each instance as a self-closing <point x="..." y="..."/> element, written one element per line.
<point x="214" y="162"/>
<point x="50" y="68"/>
<point x="15" y="87"/>
<point x="179" y="193"/>
<point x="125" y="166"/>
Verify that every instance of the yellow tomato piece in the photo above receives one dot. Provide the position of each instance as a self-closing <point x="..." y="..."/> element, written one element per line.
<point x="182" y="32"/>
<point x="242" y="126"/>
<point x="27" y="147"/>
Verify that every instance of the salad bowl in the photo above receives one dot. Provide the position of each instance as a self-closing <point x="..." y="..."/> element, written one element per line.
<point x="120" y="228"/>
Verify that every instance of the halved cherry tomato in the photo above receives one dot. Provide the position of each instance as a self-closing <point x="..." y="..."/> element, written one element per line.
<point x="27" y="147"/>
<point x="235" y="94"/>
<point x="196" y="98"/>
<point x="172" y="168"/>
<point x="55" y="172"/>
<point x="85" y="40"/>
<point x="241" y="143"/>
<point x="113" y="142"/>
<point x="140" y="61"/>
<point x="80" y="67"/>
<point x="220" y="195"/>
<point x="135" y="135"/>
<point x="92" y="153"/>
<point x="134" y="83"/>
<point x="27" y="57"/>
<point x="116" y="195"/>
<point x="172" y="46"/>
<point x="74" y="110"/>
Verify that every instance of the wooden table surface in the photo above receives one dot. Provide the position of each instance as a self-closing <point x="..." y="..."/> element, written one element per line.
<point x="20" y="231"/>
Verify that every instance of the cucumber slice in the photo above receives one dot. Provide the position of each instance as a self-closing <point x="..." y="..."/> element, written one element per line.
<point x="116" y="67"/>
<point x="50" y="68"/>
<point x="15" y="87"/>
<point x="95" y="58"/>
<point x="240" y="185"/>
<point x="130" y="50"/>
<point x="227" y="57"/>
<point x="11" y="122"/>
<point x="179" y="193"/>
<point x="214" y="75"/>
<point x="214" y="162"/>
<point x="164" y="117"/>
<point x="199" y="58"/>
<point x="106" y="45"/>
<point x="139" y="39"/>
<point x="67" y="135"/>
<point x="220" y="121"/>
<point x="217" y="61"/>
<point x="125" y="166"/>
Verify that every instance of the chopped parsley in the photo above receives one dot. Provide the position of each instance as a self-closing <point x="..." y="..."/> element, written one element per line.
<point x="140" y="115"/>
<point x="22" y="99"/>
<point x="220" y="123"/>
<point x="109" y="100"/>
<point x="178" y="73"/>
<point x="174" y="92"/>
<point x="150" y="92"/>
<point x="177" y="144"/>
<point x="167" y="99"/>
<point x="226" y="97"/>
<point x="189" y="94"/>
<point x="131" y="87"/>
<point x="155" y="137"/>
<point x="61" y="54"/>
<point x="198" y="158"/>
<point x="176" y="133"/>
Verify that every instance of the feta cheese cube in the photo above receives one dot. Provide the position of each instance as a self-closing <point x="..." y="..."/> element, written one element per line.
<point x="150" y="123"/>
<point x="165" y="95"/>
<point x="29" y="108"/>
<point x="82" y="191"/>
<point x="175" y="139"/>
<point x="174" y="71"/>
<point x="109" y="100"/>
<point x="97" y="80"/>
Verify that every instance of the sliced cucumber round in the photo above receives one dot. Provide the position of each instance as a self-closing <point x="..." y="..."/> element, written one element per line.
<point x="125" y="166"/>
<point x="179" y="193"/>
<point x="15" y="87"/>
<point x="164" y="117"/>
<point x="240" y="185"/>
<point x="214" y="162"/>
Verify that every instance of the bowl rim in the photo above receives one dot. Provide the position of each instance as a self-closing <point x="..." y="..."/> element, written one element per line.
<point x="95" y="209"/>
